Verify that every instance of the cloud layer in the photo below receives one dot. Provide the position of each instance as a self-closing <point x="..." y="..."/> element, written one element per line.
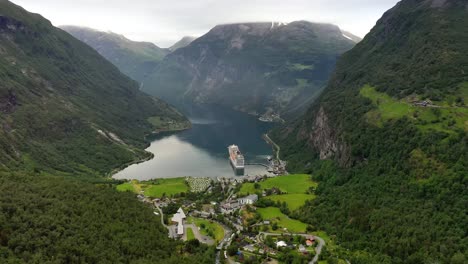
<point x="164" y="22"/>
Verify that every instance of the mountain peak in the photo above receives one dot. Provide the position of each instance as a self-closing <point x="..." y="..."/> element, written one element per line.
<point x="185" y="41"/>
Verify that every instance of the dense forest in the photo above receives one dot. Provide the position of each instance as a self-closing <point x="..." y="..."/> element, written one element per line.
<point x="395" y="187"/>
<point x="50" y="219"/>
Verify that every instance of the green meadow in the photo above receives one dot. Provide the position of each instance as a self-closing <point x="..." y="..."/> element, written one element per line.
<point x="294" y="183"/>
<point x="156" y="188"/>
<point x="294" y="201"/>
<point x="295" y="187"/>
<point x="444" y="117"/>
<point x="208" y="228"/>
<point x="274" y="215"/>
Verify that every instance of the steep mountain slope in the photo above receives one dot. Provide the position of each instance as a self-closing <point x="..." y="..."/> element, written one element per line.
<point x="135" y="59"/>
<point x="62" y="105"/>
<point x="252" y="67"/>
<point x="67" y="115"/>
<point x="184" y="42"/>
<point x="388" y="139"/>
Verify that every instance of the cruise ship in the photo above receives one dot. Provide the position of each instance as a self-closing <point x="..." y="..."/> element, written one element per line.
<point x="237" y="159"/>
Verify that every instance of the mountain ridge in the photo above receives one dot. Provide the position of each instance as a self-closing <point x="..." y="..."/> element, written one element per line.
<point x="133" y="58"/>
<point x="282" y="65"/>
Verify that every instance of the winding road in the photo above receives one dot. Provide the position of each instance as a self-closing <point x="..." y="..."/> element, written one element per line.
<point x="170" y="230"/>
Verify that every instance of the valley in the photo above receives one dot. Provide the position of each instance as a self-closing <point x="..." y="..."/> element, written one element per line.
<point x="217" y="215"/>
<point x="255" y="142"/>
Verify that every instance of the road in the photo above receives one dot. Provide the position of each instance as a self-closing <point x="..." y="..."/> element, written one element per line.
<point x="170" y="230"/>
<point x="318" y="248"/>
<point x="203" y="239"/>
<point x="275" y="145"/>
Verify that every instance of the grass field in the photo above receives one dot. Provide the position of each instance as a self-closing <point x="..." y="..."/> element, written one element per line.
<point x="445" y="118"/>
<point x="211" y="229"/>
<point x="274" y="214"/>
<point x="295" y="185"/>
<point x="294" y="201"/>
<point x="291" y="184"/>
<point x="156" y="188"/>
<point x="190" y="235"/>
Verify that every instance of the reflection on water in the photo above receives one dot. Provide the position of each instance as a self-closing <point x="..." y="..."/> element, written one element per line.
<point x="202" y="150"/>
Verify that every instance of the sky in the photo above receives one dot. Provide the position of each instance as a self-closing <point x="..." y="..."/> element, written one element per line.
<point x="164" y="22"/>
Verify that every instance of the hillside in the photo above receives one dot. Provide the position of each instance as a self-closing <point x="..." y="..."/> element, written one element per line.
<point x="135" y="59"/>
<point x="67" y="117"/>
<point x="183" y="42"/>
<point x="387" y="140"/>
<point x="62" y="105"/>
<point x="253" y="67"/>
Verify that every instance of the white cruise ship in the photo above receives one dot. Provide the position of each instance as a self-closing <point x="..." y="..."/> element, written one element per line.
<point x="237" y="159"/>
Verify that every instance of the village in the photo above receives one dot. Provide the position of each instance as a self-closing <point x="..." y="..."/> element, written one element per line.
<point x="243" y="217"/>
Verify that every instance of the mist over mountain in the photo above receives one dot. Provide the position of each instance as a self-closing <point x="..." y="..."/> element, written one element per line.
<point x="252" y="67"/>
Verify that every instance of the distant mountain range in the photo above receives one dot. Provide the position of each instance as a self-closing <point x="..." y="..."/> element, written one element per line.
<point x="135" y="59"/>
<point x="252" y="67"/>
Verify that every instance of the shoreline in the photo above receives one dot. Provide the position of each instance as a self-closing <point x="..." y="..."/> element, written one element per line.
<point x="150" y="155"/>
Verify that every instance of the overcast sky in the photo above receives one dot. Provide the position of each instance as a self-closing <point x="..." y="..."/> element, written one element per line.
<point x="166" y="21"/>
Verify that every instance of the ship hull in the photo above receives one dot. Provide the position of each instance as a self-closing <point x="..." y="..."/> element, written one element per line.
<point x="239" y="171"/>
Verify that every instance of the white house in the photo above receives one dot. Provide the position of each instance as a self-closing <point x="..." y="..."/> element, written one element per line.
<point x="249" y="199"/>
<point x="281" y="244"/>
<point x="179" y="219"/>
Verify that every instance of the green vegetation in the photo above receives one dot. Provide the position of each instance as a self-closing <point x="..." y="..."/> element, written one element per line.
<point x="64" y="107"/>
<point x="294" y="201"/>
<point x="395" y="189"/>
<point x="134" y="59"/>
<point x="443" y="118"/>
<point x="190" y="234"/>
<point x="167" y="124"/>
<point x="283" y="221"/>
<point x="291" y="184"/>
<point x="156" y="188"/>
<point x="48" y="219"/>
<point x="208" y="228"/>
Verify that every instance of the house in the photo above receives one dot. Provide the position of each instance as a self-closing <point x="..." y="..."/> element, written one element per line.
<point x="302" y="249"/>
<point x="281" y="244"/>
<point x="249" y="199"/>
<point x="249" y="248"/>
<point x="309" y="242"/>
<point x="179" y="218"/>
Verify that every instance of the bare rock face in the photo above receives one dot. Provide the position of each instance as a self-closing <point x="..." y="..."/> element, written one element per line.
<point x="8" y="103"/>
<point x="325" y="139"/>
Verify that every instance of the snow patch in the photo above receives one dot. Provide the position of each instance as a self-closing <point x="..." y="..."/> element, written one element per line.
<point x="347" y="37"/>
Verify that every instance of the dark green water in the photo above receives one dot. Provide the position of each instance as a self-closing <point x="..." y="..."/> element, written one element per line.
<point x="202" y="150"/>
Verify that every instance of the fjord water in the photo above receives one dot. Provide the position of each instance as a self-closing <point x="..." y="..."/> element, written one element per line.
<point x="202" y="150"/>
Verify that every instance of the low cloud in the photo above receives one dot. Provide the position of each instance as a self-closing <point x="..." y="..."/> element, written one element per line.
<point x="164" y="22"/>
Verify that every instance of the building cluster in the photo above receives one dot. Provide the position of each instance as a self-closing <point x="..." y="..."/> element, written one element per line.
<point x="235" y="204"/>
